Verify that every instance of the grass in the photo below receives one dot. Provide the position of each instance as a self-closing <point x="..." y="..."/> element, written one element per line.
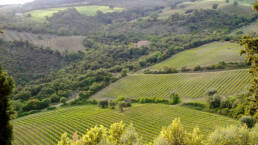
<point x="208" y="54"/>
<point x="60" y="43"/>
<point x="187" y="85"/>
<point x="40" y="15"/>
<point x="47" y="127"/>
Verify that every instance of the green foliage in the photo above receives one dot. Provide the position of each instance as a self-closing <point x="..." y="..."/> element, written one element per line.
<point x="103" y="104"/>
<point x="249" y="121"/>
<point x="112" y="104"/>
<point x="214" y="101"/>
<point x="63" y="100"/>
<point x="215" y="6"/>
<point x="118" y="134"/>
<point x="232" y="135"/>
<point x="6" y="88"/>
<point x="174" y="99"/>
<point x="212" y="92"/>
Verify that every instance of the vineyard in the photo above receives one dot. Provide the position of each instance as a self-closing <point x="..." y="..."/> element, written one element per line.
<point x="189" y="85"/>
<point x="221" y="51"/>
<point x="40" y="15"/>
<point x="60" y="43"/>
<point x="47" y="127"/>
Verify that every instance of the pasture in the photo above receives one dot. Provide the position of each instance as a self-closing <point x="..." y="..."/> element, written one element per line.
<point x="40" y="15"/>
<point x="187" y="85"/>
<point x="47" y="127"/>
<point x="60" y="43"/>
<point x="204" y="55"/>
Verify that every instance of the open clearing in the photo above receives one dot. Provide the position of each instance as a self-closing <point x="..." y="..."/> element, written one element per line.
<point x="204" y="55"/>
<point x="60" y="43"/>
<point x="47" y="127"/>
<point x="187" y="85"/>
<point x="40" y="15"/>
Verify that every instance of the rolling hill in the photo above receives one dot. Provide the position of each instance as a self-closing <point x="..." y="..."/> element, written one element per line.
<point x="189" y="85"/>
<point x="40" y="15"/>
<point x="208" y="54"/>
<point x="54" y="42"/>
<point x="47" y="127"/>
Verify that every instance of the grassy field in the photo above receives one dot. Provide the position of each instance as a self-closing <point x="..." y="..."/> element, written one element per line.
<point x="187" y="85"/>
<point x="247" y="30"/>
<point x="208" y="54"/>
<point x="40" y="15"/>
<point x="60" y="43"/>
<point x="46" y="128"/>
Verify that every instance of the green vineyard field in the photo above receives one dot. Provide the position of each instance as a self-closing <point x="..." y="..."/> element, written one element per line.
<point x="208" y="54"/>
<point x="47" y="127"/>
<point x="189" y="85"/>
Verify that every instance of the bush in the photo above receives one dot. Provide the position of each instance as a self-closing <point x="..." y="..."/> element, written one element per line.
<point x="248" y="120"/>
<point x="174" y="99"/>
<point x="184" y="69"/>
<point x="63" y="100"/>
<point x="214" y="101"/>
<point x="211" y="92"/>
<point x="197" y="68"/>
<point x="194" y="105"/>
<point x="112" y="104"/>
<point x="51" y="108"/>
<point x="233" y="135"/>
<point x="103" y="104"/>
<point x="85" y="94"/>
<point x="215" y="6"/>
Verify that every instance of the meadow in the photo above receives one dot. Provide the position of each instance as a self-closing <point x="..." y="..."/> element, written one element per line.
<point x="40" y="15"/>
<point x="204" y="55"/>
<point x="60" y="43"/>
<point x="47" y="127"/>
<point x="187" y="85"/>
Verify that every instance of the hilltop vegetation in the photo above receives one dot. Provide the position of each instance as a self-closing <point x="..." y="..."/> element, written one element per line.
<point x="42" y="15"/>
<point x="148" y="121"/>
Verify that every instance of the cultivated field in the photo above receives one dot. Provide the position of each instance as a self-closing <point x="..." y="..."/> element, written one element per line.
<point x="60" y="43"/>
<point x="187" y="85"/>
<point x="204" y="55"/>
<point x="40" y="15"/>
<point x="47" y="127"/>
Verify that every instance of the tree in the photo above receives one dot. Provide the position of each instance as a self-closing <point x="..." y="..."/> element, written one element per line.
<point x="124" y="73"/>
<point x="6" y="88"/>
<point x="235" y="3"/>
<point x="174" y="99"/>
<point x="248" y="120"/>
<point x="251" y="50"/>
<point x="215" y="6"/>
<point x="63" y="100"/>
<point x="227" y="1"/>
<point x="103" y="104"/>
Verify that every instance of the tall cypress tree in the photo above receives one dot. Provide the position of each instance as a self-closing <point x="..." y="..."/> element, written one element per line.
<point x="251" y="51"/>
<point x="6" y="88"/>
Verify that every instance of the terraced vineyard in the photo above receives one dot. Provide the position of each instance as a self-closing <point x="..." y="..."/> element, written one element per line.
<point x="191" y="85"/>
<point x="60" y="43"/>
<point x="46" y="128"/>
<point x="211" y="53"/>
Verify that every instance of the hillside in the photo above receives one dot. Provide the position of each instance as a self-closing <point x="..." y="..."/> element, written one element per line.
<point x="57" y="43"/>
<point x="208" y="54"/>
<point x="187" y="85"/>
<point x="46" y="128"/>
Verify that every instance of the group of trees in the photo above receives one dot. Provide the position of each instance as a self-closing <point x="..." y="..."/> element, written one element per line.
<point x="174" y="134"/>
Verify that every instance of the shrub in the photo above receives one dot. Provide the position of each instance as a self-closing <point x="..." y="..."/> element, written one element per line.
<point x="51" y="108"/>
<point x="174" y="99"/>
<point x="215" y="6"/>
<point x="184" y="69"/>
<point x="85" y="94"/>
<point x="214" y="101"/>
<point x="112" y="104"/>
<point x="248" y="120"/>
<point x="194" y="105"/>
<point x="103" y="104"/>
<point x="197" y="68"/>
<point x="233" y="135"/>
<point x="211" y="92"/>
<point x="118" y="99"/>
<point x="63" y="100"/>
